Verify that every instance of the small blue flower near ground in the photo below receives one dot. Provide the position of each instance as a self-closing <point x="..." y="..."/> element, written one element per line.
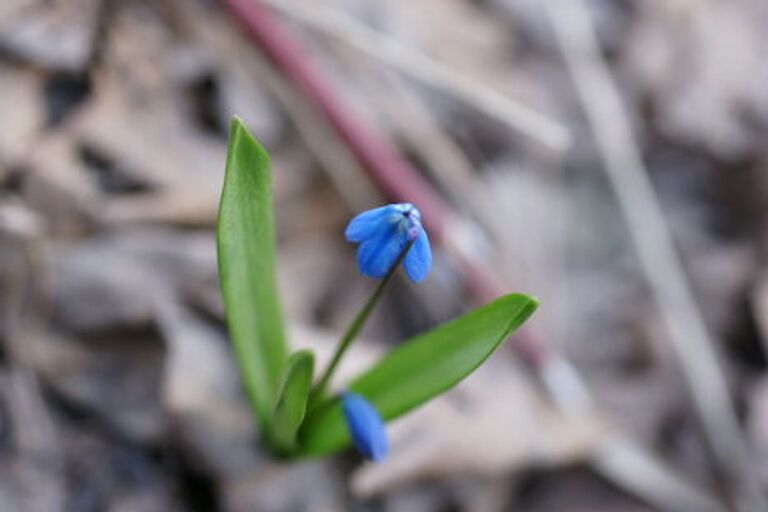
<point x="383" y="233"/>
<point x="365" y="426"/>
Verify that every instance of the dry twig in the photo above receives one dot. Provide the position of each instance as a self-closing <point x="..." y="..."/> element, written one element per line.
<point x="692" y="343"/>
<point x="397" y="179"/>
<point x="435" y="74"/>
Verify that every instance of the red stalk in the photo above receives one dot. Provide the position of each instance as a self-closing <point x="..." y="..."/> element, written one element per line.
<point x="396" y="177"/>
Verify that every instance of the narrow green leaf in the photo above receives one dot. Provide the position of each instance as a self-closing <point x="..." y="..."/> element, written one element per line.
<point x="420" y="369"/>
<point x="246" y="252"/>
<point x="292" y="401"/>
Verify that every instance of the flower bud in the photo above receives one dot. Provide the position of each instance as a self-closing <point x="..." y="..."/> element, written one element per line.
<point x="383" y="233"/>
<point x="365" y="426"/>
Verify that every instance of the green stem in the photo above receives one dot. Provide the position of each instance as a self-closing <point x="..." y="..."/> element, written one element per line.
<point x="357" y="324"/>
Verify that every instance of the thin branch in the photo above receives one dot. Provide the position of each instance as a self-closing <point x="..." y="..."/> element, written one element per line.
<point x="429" y="71"/>
<point x="633" y="469"/>
<point x="692" y="343"/>
<point x="397" y="179"/>
<point x="336" y="160"/>
<point x="392" y="173"/>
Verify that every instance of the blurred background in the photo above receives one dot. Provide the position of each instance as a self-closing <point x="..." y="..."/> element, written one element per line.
<point x="606" y="156"/>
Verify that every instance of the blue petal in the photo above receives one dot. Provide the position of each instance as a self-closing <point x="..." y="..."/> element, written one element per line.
<point x="369" y="223"/>
<point x="418" y="261"/>
<point x="365" y="426"/>
<point x="375" y="256"/>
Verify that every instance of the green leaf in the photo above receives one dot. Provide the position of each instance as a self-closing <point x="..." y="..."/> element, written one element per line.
<point x="420" y="369"/>
<point x="292" y="401"/>
<point x="246" y="252"/>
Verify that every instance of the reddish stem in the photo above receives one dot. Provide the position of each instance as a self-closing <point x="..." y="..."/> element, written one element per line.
<point x="396" y="177"/>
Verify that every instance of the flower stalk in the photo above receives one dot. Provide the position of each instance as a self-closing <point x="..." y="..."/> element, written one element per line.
<point x="357" y="325"/>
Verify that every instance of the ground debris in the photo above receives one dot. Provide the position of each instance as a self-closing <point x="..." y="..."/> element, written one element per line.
<point x="118" y="389"/>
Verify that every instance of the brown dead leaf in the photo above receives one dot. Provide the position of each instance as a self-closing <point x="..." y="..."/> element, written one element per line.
<point x="57" y="34"/>
<point x="492" y="424"/>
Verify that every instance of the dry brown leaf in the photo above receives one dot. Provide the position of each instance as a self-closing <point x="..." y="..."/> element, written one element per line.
<point x="704" y="63"/>
<point x="57" y="33"/>
<point x="23" y="113"/>
<point x="492" y="424"/>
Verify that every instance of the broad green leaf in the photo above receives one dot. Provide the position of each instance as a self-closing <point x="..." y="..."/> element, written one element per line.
<point x="246" y="252"/>
<point x="292" y="401"/>
<point x="420" y="369"/>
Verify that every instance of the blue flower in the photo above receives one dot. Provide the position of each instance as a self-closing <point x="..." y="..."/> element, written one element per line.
<point x="383" y="233"/>
<point x="365" y="426"/>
